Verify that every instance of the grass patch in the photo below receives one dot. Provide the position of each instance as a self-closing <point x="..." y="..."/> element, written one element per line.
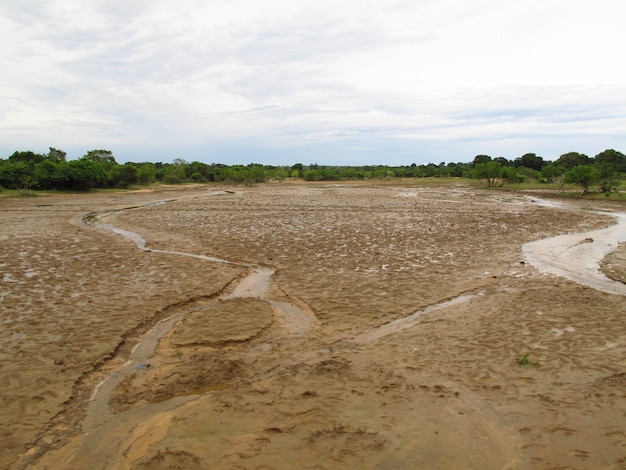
<point x="526" y="362"/>
<point x="612" y="196"/>
<point x="17" y="193"/>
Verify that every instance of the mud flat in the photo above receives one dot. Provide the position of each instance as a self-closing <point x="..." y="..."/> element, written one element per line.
<point x="309" y="326"/>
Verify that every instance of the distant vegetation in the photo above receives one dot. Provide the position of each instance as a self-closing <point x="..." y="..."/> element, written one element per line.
<point x="26" y="170"/>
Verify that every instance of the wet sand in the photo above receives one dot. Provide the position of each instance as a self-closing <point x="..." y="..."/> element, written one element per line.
<point x="384" y="331"/>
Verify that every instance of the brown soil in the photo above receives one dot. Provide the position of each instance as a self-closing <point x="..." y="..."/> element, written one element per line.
<point x="613" y="264"/>
<point x="237" y="384"/>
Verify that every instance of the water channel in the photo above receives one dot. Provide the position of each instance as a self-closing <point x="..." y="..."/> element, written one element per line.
<point x="577" y="256"/>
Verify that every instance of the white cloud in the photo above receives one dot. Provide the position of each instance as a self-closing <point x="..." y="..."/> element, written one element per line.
<point x="419" y="76"/>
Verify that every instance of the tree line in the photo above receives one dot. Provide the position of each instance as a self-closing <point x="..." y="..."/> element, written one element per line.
<point x="606" y="169"/>
<point x="99" y="169"/>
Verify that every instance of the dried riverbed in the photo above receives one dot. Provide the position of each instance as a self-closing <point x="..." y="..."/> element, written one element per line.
<point x="319" y="326"/>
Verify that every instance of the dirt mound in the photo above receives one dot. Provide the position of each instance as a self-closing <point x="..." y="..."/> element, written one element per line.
<point x="614" y="381"/>
<point x="332" y="368"/>
<point x="169" y="460"/>
<point x="198" y="374"/>
<point x="339" y="440"/>
<point x="614" y="264"/>
<point x="223" y="322"/>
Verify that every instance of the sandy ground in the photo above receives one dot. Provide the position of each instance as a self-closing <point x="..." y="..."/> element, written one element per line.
<point x="304" y="326"/>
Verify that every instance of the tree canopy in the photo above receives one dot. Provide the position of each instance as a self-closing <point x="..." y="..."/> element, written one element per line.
<point x="98" y="168"/>
<point x="582" y="175"/>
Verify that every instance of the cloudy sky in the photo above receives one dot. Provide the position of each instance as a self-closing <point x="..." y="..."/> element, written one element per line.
<point x="313" y="81"/>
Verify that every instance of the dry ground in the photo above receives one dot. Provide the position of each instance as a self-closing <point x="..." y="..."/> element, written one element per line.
<point x="237" y="384"/>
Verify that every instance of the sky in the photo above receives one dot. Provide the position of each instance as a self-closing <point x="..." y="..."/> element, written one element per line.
<point x="350" y="82"/>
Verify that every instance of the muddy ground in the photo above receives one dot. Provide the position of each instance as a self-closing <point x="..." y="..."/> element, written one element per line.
<point x="389" y="337"/>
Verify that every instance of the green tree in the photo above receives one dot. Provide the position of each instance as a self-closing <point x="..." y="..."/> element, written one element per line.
<point x="571" y="159"/>
<point x="16" y="175"/>
<point x="105" y="160"/>
<point x="56" y="155"/>
<point x="582" y="175"/>
<point x="311" y="175"/>
<point x="146" y="173"/>
<point x="197" y="171"/>
<point x="257" y="173"/>
<point x="530" y="160"/>
<point x="454" y="169"/>
<point x="215" y="172"/>
<point x="617" y="160"/>
<point x="429" y="170"/>
<point x="46" y="174"/>
<point x="382" y="172"/>
<point x="503" y="161"/>
<point x="82" y="174"/>
<point x="27" y="157"/>
<point x="478" y="159"/>
<point x="489" y="171"/>
<point x="101" y="156"/>
<point x="526" y="173"/>
<point x="122" y="176"/>
<point x="281" y="173"/>
<point x="552" y="172"/>
<point x="175" y="173"/>
<point x="511" y="174"/>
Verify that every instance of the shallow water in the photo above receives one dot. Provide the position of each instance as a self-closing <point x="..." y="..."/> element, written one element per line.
<point x="256" y="284"/>
<point x="577" y="256"/>
<point x="98" y="410"/>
